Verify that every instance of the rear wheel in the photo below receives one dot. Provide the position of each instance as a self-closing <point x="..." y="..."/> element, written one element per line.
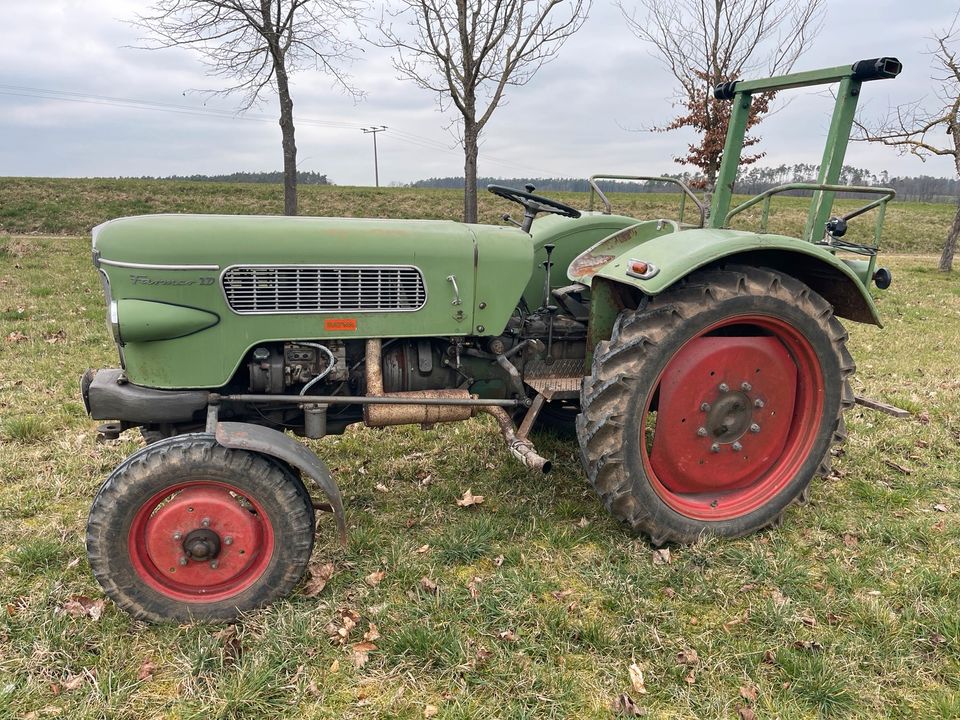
<point x="188" y="529"/>
<point x="710" y="410"/>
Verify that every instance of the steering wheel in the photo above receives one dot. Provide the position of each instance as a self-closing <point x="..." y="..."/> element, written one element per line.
<point x="533" y="204"/>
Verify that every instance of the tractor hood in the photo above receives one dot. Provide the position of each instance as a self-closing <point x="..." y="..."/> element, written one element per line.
<point x="191" y="294"/>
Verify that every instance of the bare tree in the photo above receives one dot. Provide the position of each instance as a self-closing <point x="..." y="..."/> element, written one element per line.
<point x="706" y="42"/>
<point x="910" y="128"/>
<point x="257" y="44"/>
<point x="469" y="51"/>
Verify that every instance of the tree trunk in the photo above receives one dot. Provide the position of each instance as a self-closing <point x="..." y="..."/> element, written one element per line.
<point x="950" y="246"/>
<point x="471" y="136"/>
<point x="289" y="143"/>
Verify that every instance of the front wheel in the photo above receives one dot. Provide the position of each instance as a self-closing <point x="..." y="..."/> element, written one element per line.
<point x="710" y="409"/>
<point x="188" y="529"/>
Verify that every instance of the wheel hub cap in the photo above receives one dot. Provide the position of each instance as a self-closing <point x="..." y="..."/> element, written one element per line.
<point x="203" y="541"/>
<point x="724" y="413"/>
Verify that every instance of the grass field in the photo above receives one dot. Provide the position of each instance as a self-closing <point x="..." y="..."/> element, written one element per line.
<point x="56" y="206"/>
<point x="850" y="609"/>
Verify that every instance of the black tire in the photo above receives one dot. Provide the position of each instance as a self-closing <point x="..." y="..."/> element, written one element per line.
<point x="623" y="391"/>
<point x="272" y="517"/>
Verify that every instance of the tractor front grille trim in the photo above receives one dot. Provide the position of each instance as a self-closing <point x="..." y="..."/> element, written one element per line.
<point x="277" y="289"/>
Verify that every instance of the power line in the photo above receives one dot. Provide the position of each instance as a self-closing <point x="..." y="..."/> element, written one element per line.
<point x="192" y="110"/>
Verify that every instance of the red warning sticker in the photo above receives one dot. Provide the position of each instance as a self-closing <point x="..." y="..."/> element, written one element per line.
<point x="340" y="324"/>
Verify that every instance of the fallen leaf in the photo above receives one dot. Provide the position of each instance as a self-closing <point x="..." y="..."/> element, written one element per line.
<point x="335" y="667"/>
<point x="694" y="620"/>
<point x="940" y="507"/>
<point x="690" y="678"/>
<point x="81" y="605"/>
<point x="422" y="549"/>
<point x="469" y="499"/>
<point x="748" y="692"/>
<point x="688" y="657"/>
<point x="583" y="522"/>
<point x="498" y="561"/>
<point x="374" y="578"/>
<point x="623" y="704"/>
<point x="769" y="657"/>
<point x="473" y="587"/>
<point x="339" y="628"/>
<point x="779" y="599"/>
<point x="361" y="653"/>
<point x="73" y="682"/>
<point x="16" y="336"/>
<point x="670" y="592"/>
<point x="937" y="639"/>
<point x="850" y="540"/>
<point x="230" y="640"/>
<point x="661" y="556"/>
<point x="381" y="487"/>
<point x="146" y="671"/>
<point x="737" y="620"/>
<point x="508" y="635"/>
<point x="483" y="655"/>
<point x="924" y="417"/>
<point x="320" y="575"/>
<point x="429" y="585"/>
<point x="430" y="711"/>
<point x="807" y="646"/>
<point x="372" y="633"/>
<point x="747" y="587"/>
<point x="745" y="713"/>
<point x="636" y="679"/>
<point x="561" y="595"/>
<point x="58" y="336"/>
<point x="808" y="620"/>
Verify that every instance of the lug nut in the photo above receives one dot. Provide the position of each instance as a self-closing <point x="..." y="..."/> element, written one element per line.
<point x="205" y="522"/>
<point x="715" y="448"/>
<point x="737" y="447"/>
<point x="724" y="387"/>
<point x="182" y="560"/>
<point x="704" y="407"/>
<point x="177" y="535"/>
<point x="746" y="387"/>
<point x="758" y="403"/>
<point x="702" y="432"/>
<point x="228" y="540"/>
<point x="214" y="564"/>
<point x="754" y="428"/>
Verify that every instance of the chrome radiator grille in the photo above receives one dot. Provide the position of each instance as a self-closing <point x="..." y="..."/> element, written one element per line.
<point x="255" y="289"/>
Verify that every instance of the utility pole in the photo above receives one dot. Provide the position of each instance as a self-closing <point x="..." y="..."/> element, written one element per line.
<point x="374" y="130"/>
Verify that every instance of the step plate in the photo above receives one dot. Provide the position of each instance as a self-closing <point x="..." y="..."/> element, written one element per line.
<point x="559" y="380"/>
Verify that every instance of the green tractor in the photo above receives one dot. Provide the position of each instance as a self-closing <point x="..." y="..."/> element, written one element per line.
<point x="703" y="369"/>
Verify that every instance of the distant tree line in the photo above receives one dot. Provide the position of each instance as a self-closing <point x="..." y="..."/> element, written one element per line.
<point x="751" y="181"/>
<point x="304" y="177"/>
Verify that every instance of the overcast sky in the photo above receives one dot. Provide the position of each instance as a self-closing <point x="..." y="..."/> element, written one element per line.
<point x="572" y="119"/>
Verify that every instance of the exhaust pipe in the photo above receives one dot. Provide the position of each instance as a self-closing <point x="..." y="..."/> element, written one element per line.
<point x="522" y="450"/>
<point x="384" y="415"/>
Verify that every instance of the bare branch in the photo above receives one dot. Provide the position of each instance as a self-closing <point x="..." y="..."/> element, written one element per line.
<point x="706" y="42"/>
<point x="256" y="45"/>
<point x="469" y="51"/>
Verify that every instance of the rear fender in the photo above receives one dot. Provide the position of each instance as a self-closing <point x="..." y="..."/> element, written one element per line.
<point x="671" y="256"/>
<point x="245" y="436"/>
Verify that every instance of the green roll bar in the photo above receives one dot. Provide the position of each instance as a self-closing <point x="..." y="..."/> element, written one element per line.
<point x="741" y="93"/>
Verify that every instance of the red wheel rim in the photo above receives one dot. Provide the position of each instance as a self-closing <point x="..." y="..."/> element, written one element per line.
<point x="738" y="410"/>
<point x="200" y="541"/>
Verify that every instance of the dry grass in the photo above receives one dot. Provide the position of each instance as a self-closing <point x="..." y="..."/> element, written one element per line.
<point x="71" y="207"/>
<point x="851" y="609"/>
